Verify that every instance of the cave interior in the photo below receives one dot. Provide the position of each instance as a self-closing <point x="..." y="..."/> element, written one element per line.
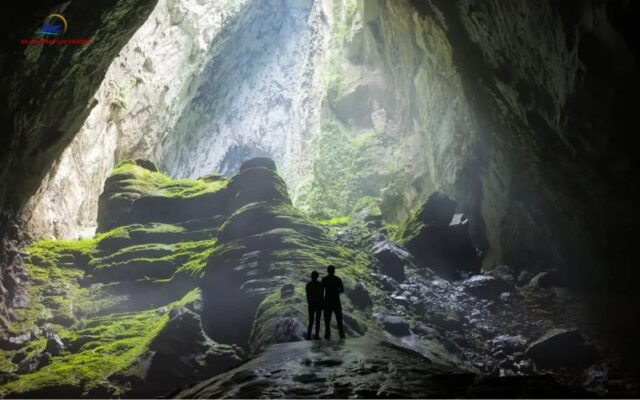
<point x="168" y="186"/>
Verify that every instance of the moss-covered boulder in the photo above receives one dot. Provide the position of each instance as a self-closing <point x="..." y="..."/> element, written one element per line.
<point x="137" y="193"/>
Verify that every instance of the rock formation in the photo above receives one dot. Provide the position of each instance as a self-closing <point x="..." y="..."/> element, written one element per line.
<point x="200" y="275"/>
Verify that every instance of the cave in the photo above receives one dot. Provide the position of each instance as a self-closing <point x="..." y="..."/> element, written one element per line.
<point x="173" y="171"/>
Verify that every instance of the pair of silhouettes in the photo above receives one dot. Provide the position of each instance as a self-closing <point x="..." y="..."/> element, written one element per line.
<point x="324" y="295"/>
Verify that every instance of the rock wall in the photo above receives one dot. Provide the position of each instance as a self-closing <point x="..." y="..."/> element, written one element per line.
<point x="47" y="90"/>
<point x="144" y="91"/>
<point x="509" y="107"/>
<point x="259" y="96"/>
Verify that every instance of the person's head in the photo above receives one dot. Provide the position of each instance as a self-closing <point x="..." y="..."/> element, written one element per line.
<point x="331" y="270"/>
<point x="314" y="275"/>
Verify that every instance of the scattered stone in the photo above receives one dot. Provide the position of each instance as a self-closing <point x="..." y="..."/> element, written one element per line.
<point x="387" y="283"/>
<point x="448" y="320"/>
<point x="509" y="343"/>
<point x="503" y="272"/>
<point x="524" y="276"/>
<point x="544" y="280"/>
<point x="486" y="287"/>
<point x="14" y="342"/>
<point x="562" y="348"/>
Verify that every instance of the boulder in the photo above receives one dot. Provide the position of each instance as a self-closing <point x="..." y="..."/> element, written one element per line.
<point x="486" y="287"/>
<point x="439" y="239"/>
<point x="14" y="342"/>
<point x="544" y="280"/>
<point x="54" y="344"/>
<point x="562" y="348"/>
<point x="180" y="354"/>
<point x="396" y="325"/>
<point x="503" y="272"/>
<point x="391" y="259"/>
<point x="359" y="296"/>
<point x="34" y="363"/>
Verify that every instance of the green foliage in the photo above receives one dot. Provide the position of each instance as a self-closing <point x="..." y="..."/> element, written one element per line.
<point x="345" y="169"/>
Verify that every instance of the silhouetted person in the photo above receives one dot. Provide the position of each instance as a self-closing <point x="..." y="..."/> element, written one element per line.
<point x="332" y="286"/>
<point x="314" y="300"/>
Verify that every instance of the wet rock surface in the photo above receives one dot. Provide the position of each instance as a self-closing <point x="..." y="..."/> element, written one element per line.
<point x="361" y="368"/>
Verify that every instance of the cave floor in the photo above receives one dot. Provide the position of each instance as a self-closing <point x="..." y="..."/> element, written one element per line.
<point x="362" y="368"/>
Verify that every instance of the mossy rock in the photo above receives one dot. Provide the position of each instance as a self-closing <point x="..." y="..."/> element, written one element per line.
<point x="134" y="193"/>
<point x="257" y="184"/>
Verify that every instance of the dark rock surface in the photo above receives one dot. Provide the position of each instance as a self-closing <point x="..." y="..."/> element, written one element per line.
<point x="391" y="259"/>
<point x="439" y="239"/>
<point x="361" y="368"/>
<point x="486" y="287"/>
<point x="179" y="355"/>
<point x="562" y="348"/>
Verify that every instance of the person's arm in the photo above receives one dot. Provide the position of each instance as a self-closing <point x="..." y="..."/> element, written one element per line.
<point x="340" y="286"/>
<point x="307" y="290"/>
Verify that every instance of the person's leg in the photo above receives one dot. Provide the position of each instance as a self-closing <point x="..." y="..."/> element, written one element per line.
<point x="318" y="315"/>
<point x="311" y="311"/>
<point x="327" y="322"/>
<point x="338" y="312"/>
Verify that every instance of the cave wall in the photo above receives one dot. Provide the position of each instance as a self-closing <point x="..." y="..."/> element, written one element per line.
<point x="144" y="91"/>
<point x="47" y="92"/>
<point x="521" y="111"/>
<point x="259" y="96"/>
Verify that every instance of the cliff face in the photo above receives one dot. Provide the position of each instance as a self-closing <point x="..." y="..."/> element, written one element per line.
<point x="505" y="107"/>
<point x="48" y="91"/>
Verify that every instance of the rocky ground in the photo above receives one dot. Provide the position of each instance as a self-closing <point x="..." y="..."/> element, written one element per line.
<point x="190" y="278"/>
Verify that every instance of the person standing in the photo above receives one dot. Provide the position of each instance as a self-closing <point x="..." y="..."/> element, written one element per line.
<point x="332" y="287"/>
<point x="315" y="302"/>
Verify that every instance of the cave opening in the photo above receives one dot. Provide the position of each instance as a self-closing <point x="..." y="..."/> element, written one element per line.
<point x="167" y="190"/>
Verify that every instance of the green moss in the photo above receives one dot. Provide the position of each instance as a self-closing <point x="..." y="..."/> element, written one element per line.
<point x="112" y="343"/>
<point x="116" y="342"/>
<point x="335" y="221"/>
<point x="135" y="180"/>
